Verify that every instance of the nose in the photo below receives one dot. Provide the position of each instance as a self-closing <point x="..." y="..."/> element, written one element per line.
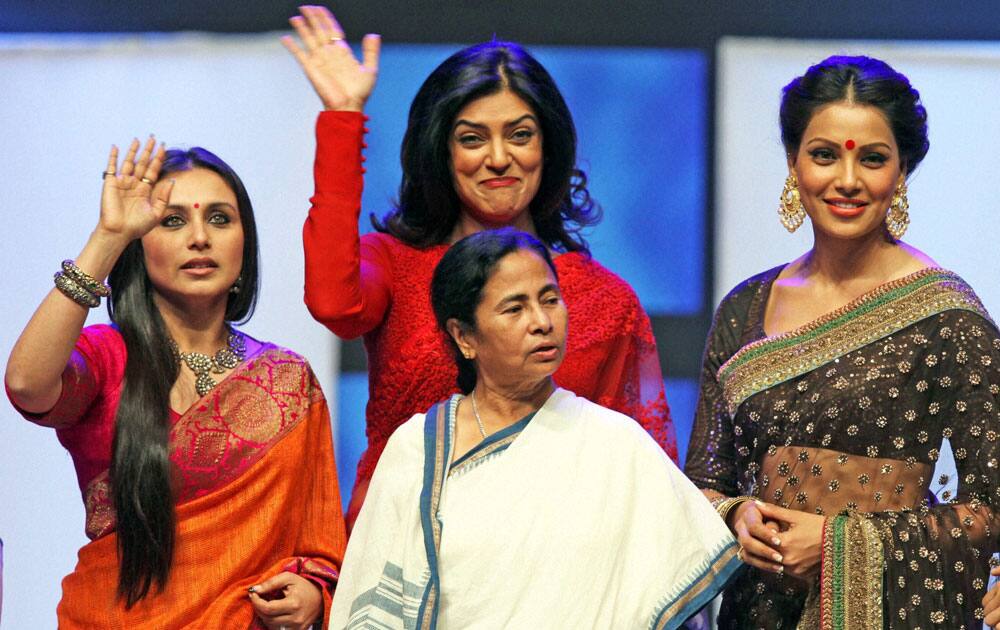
<point x="499" y="157"/>
<point x="541" y="321"/>
<point x="848" y="183"/>
<point x="199" y="235"/>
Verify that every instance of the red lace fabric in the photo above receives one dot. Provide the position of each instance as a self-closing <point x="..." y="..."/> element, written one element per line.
<point x="378" y="287"/>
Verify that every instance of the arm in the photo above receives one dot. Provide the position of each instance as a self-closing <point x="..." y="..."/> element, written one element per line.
<point x="129" y="209"/>
<point x="347" y="283"/>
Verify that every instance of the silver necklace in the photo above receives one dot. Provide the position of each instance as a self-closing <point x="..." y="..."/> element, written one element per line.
<point x="475" y="412"/>
<point x="226" y="358"/>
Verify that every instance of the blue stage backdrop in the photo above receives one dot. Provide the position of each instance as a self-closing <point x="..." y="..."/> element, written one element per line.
<point x="642" y="124"/>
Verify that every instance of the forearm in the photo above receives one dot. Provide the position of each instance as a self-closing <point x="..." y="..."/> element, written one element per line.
<point x="342" y="289"/>
<point x="37" y="361"/>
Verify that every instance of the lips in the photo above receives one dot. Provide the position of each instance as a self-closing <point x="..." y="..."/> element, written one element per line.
<point x="546" y="352"/>
<point x="200" y="266"/>
<point x="499" y="182"/>
<point x="847" y="208"/>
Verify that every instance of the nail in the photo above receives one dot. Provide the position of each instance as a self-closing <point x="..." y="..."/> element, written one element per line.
<point x="776" y="541"/>
<point x="758" y="502"/>
<point x="252" y="589"/>
<point x="777" y="557"/>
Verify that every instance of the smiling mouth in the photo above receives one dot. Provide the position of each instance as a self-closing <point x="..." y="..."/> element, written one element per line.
<point x="846" y="207"/>
<point x="499" y="182"/>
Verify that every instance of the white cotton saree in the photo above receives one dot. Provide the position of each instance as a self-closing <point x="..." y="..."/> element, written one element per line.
<point x="571" y="518"/>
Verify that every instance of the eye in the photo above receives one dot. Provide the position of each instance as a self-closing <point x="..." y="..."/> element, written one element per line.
<point x="875" y="159"/>
<point x="469" y="139"/>
<point x="219" y="218"/>
<point x="512" y="310"/>
<point x="822" y="155"/>
<point x="522" y="136"/>
<point x="552" y="300"/>
<point x="174" y="220"/>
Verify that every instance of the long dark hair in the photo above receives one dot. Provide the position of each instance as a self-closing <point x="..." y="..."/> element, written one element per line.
<point x="459" y="278"/>
<point x="140" y="466"/>
<point x="861" y="81"/>
<point x="428" y="206"/>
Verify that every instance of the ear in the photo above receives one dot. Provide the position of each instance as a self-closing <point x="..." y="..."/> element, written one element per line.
<point x="790" y="159"/>
<point x="463" y="337"/>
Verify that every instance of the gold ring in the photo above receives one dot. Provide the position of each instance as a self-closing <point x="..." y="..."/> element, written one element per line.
<point x="739" y="554"/>
<point x="107" y="174"/>
<point x="146" y="180"/>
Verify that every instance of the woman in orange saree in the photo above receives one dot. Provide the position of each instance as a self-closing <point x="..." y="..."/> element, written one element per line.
<point x="226" y="515"/>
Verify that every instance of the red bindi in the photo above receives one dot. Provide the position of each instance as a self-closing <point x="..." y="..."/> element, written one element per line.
<point x="198" y="205"/>
<point x="849" y="144"/>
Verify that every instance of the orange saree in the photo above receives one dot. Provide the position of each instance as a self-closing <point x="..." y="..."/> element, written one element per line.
<point x="256" y="492"/>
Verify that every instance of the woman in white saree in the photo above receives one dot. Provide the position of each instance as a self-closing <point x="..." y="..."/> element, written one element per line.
<point x="519" y="504"/>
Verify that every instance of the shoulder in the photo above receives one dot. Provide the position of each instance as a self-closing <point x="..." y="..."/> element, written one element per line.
<point x="406" y="444"/>
<point x="607" y="427"/>
<point x="957" y="292"/>
<point x="753" y="286"/>
<point x="582" y="272"/>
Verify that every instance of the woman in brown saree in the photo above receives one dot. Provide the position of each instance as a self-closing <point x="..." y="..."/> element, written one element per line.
<point x="830" y="384"/>
<point x="204" y="456"/>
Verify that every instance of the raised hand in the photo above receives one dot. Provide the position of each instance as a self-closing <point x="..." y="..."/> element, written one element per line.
<point x="340" y="81"/>
<point x="130" y="205"/>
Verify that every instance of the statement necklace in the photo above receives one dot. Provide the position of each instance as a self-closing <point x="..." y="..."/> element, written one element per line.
<point x="475" y="412"/>
<point x="203" y="365"/>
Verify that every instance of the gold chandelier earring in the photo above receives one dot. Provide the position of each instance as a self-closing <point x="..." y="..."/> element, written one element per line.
<point x="790" y="209"/>
<point x="897" y="218"/>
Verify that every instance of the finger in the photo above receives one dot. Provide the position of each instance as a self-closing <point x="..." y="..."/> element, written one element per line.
<point x="153" y="170"/>
<point x="305" y="33"/>
<point x="995" y="570"/>
<point x="161" y="197"/>
<point x="129" y="162"/>
<point x="325" y="21"/>
<point x="275" y="607"/>
<point x="755" y="547"/>
<point x="143" y="163"/>
<point x="112" y="166"/>
<point x="763" y="533"/>
<point x="774" y="512"/>
<point x="289" y="43"/>
<point x="371" y="46"/>
<point x="274" y="583"/>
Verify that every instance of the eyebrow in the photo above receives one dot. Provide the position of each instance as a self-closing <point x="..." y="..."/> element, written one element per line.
<point x="878" y="143"/>
<point x="211" y="206"/>
<point x="523" y="297"/>
<point x="475" y="125"/>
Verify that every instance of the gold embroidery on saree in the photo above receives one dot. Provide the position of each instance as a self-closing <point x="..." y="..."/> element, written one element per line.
<point x="893" y="306"/>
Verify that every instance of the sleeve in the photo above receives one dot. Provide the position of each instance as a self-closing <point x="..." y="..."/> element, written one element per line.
<point x="348" y="279"/>
<point x="711" y="454"/>
<point x="934" y="560"/>
<point x="631" y="381"/>
<point x="97" y="358"/>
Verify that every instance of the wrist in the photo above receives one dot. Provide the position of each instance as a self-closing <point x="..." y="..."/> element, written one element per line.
<point x="101" y="251"/>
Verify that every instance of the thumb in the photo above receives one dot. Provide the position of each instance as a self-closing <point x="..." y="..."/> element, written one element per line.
<point x="273" y="583"/>
<point x="774" y="512"/>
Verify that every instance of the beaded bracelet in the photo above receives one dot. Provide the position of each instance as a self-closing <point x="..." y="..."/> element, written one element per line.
<point x="75" y="292"/>
<point x="85" y="280"/>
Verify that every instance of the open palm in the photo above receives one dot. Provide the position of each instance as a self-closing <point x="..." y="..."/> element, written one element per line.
<point x="129" y="206"/>
<point x="340" y="80"/>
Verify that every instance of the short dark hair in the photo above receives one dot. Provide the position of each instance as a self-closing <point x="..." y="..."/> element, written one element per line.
<point x="863" y="81"/>
<point x="140" y="467"/>
<point x="428" y="206"/>
<point x="459" y="278"/>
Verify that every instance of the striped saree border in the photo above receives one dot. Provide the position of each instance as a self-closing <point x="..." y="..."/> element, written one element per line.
<point x="705" y="582"/>
<point x="491" y="445"/>
<point x="438" y="426"/>
<point x="885" y="310"/>
<point x="851" y="574"/>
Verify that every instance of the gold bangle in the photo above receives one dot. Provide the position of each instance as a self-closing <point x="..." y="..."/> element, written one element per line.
<point x="85" y="280"/>
<point x="729" y="504"/>
<point x="75" y="292"/>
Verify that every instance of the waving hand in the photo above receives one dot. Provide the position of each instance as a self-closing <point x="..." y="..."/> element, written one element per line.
<point x="341" y="82"/>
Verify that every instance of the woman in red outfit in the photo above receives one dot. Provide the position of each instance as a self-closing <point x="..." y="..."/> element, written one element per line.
<point x="490" y="143"/>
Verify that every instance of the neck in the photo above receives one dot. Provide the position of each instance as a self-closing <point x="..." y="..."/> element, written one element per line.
<point x="200" y="328"/>
<point x="468" y="225"/>
<point x="836" y="261"/>
<point x="503" y="406"/>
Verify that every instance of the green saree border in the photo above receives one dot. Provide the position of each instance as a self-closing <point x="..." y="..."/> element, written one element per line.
<point x="883" y="311"/>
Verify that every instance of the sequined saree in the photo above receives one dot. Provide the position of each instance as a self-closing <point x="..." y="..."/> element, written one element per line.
<point x="570" y="518"/>
<point x="255" y="485"/>
<point x="847" y="417"/>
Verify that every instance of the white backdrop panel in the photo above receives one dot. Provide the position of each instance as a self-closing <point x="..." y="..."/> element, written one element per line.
<point x="953" y="194"/>
<point x="64" y="102"/>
